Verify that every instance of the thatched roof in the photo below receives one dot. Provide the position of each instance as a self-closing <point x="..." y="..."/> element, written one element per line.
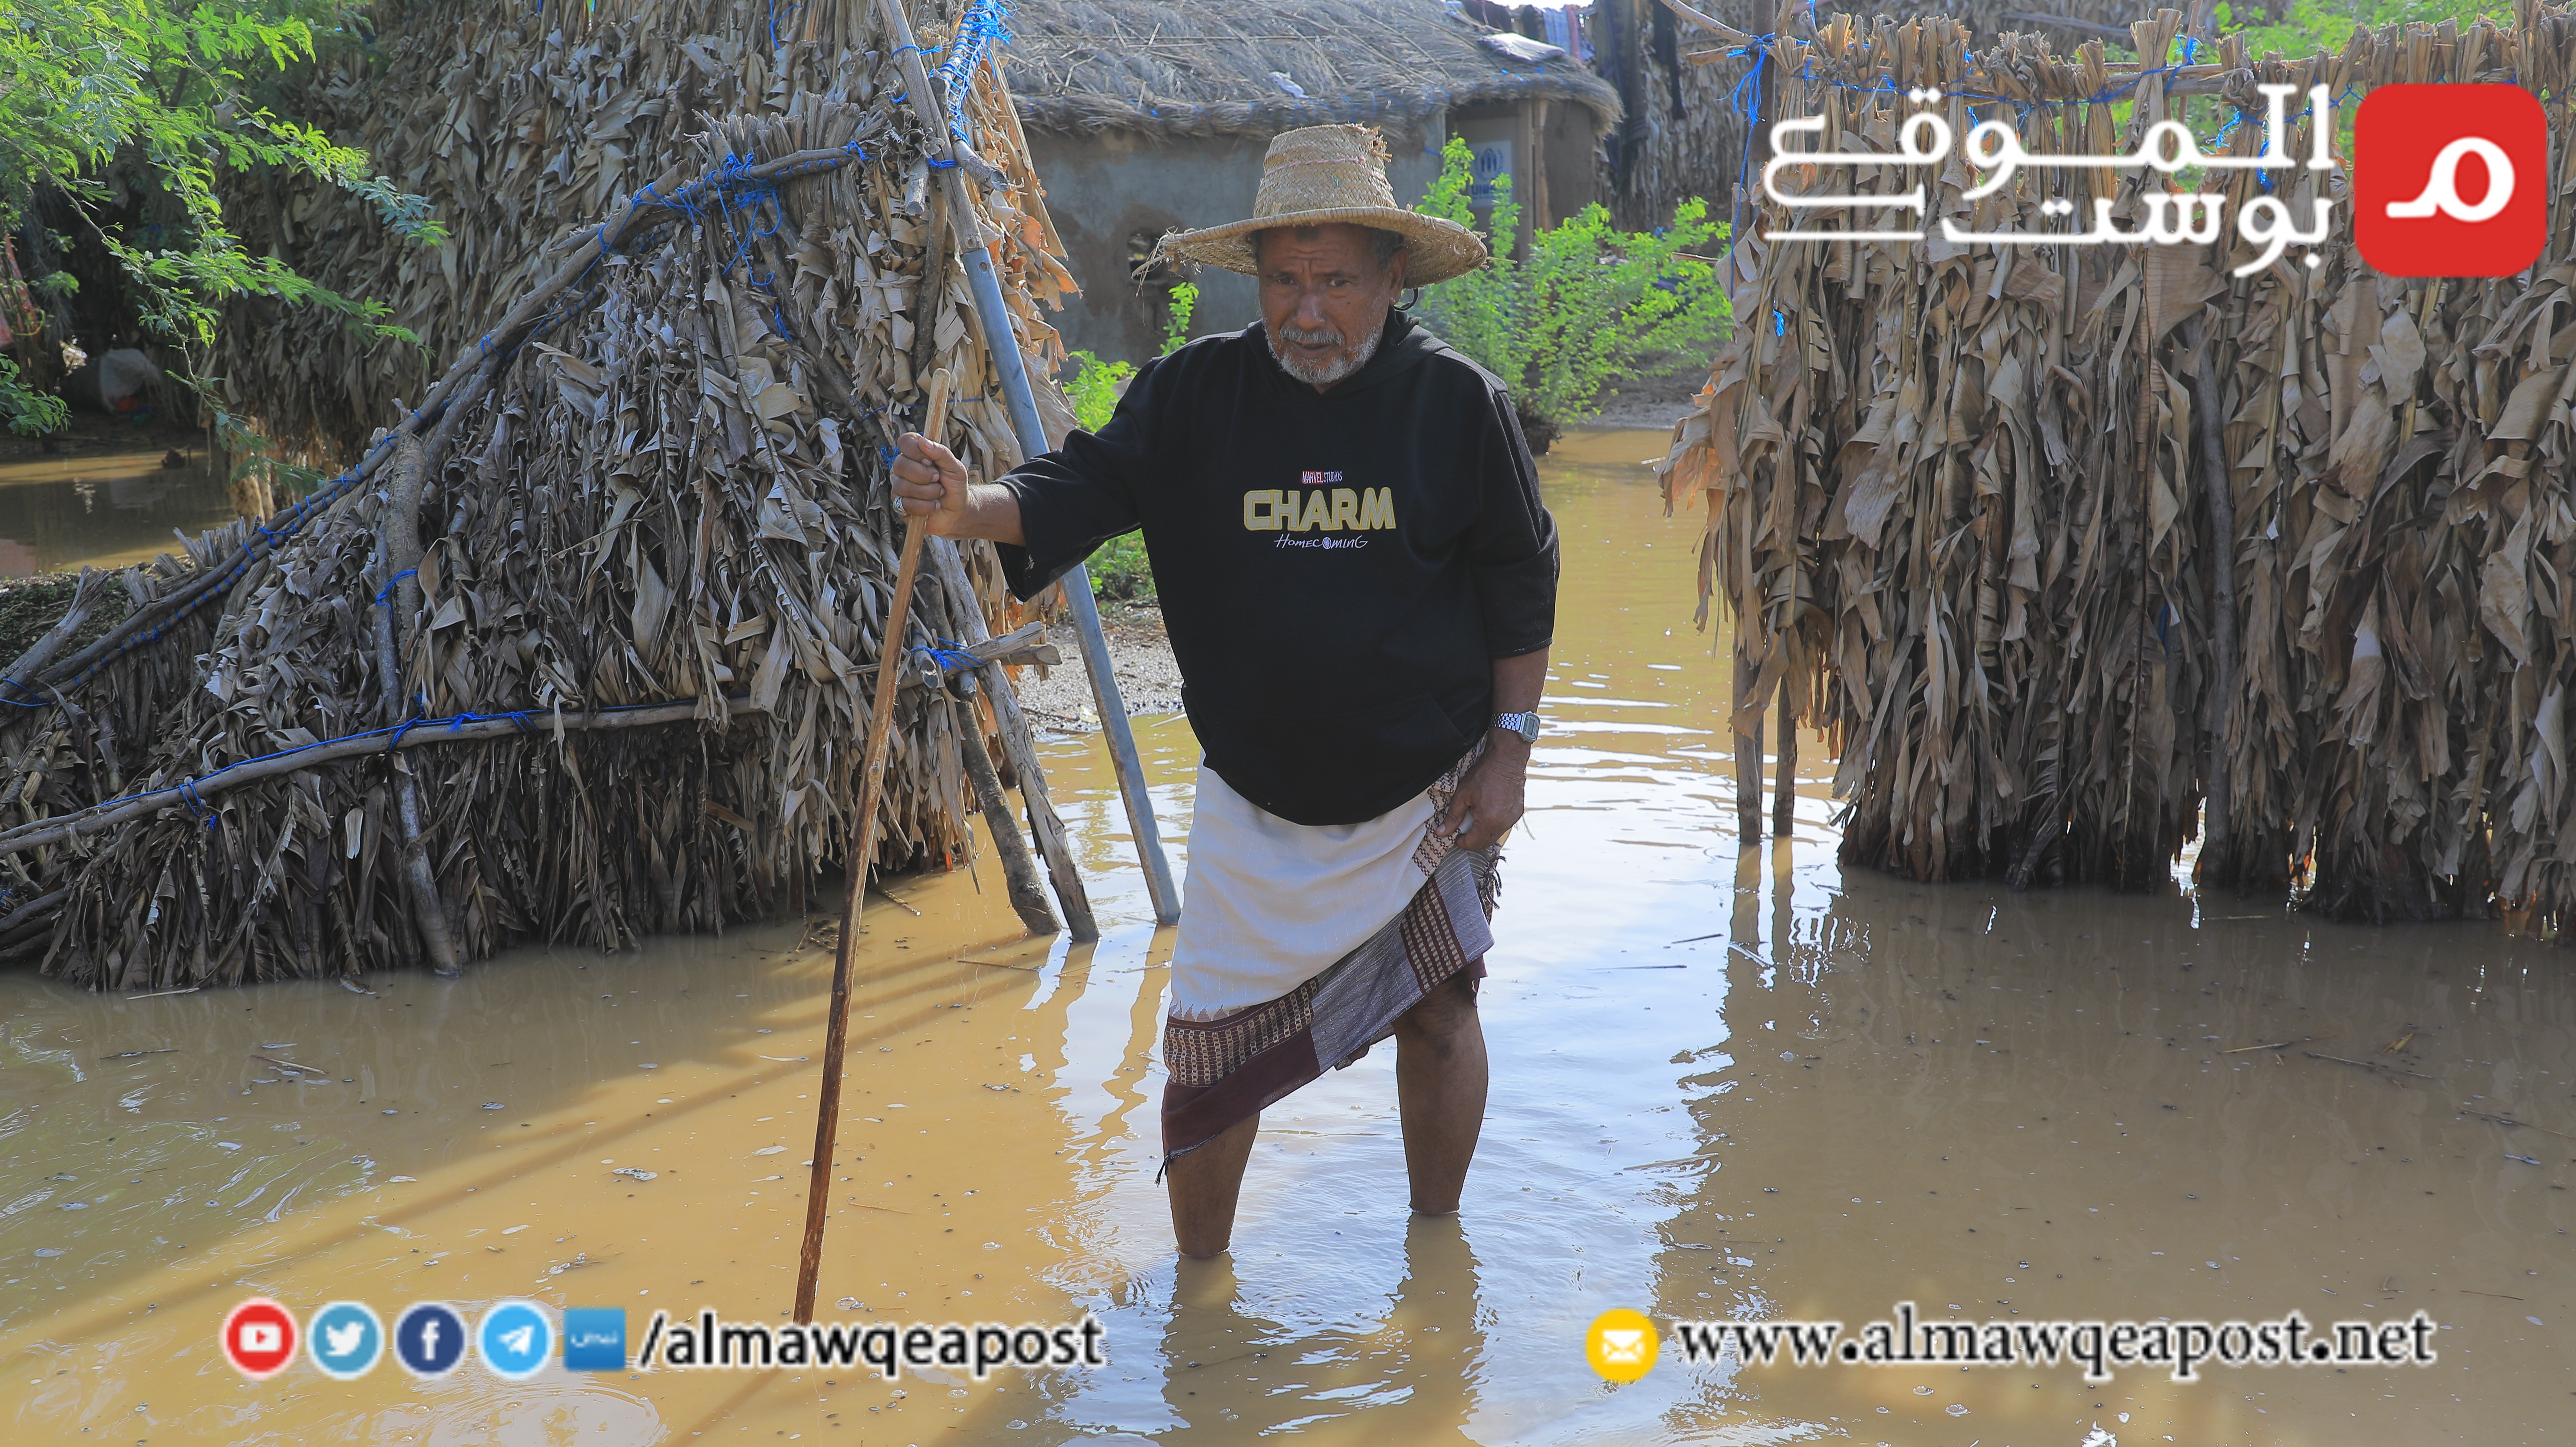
<point x="1233" y="67"/>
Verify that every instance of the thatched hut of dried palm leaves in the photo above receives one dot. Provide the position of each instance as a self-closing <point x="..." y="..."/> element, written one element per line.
<point x="582" y="650"/>
<point x="2084" y="554"/>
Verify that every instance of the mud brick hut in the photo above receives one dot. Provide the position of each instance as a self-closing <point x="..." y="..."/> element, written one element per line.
<point x="2091" y="558"/>
<point x="1153" y="117"/>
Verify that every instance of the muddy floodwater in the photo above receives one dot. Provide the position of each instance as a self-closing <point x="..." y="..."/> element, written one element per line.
<point x="109" y="506"/>
<point x="1725" y="1085"/>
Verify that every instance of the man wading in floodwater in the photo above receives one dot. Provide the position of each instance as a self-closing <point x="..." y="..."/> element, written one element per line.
<point x="1360" y="585"/>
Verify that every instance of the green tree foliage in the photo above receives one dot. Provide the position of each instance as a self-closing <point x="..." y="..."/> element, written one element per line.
<point x="1119" y="569"/>
<point x="1094" y="389"/>
<point x="165" y="97"/>
<point x="1589" y="304"/>
<point x="1185" y="304"/>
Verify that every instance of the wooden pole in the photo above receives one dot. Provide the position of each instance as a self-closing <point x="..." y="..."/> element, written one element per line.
<point x="1748" y="752"/>
<point x="1784" y="785"/>
<point x="863" y="842"/>
<point x="1019" y="866"/>
<point x="993" y="318"/>
<point x="1054" y="846"/>
<point x="1766" y="20"/>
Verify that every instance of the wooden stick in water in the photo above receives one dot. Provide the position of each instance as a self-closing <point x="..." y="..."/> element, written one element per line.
<point x="863" y="842"/>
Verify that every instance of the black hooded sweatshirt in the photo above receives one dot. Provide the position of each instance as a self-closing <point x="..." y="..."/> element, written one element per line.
<point x="1337" y="570"/>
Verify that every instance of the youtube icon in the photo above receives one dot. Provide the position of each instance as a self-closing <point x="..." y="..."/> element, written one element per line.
<point x="259" y="1338"/>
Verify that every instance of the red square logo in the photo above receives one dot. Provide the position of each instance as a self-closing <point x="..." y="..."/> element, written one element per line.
<point x="2450" y="180"/>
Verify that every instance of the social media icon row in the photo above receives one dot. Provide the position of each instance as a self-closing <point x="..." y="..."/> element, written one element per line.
<point x="347" y="1339"/>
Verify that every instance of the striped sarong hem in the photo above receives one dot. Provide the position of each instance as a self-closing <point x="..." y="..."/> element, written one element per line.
<point x="1226" y="1069"/>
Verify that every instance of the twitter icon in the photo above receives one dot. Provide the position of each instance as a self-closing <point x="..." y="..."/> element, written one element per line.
<point x="346" y="1340"/>
<point x="516" y="1339"/>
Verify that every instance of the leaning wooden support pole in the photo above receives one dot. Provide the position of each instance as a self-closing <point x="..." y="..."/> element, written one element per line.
<point x="2209" y="424"/>
<point x="993" y="318"/>
<point x="1055" y="845"/>
<point x="1019" y="866"/>
<point x="1748" y="756"/>
<point x="429" y="912"/>
<point x="81" y="823"/>
<point x="863" y="843"/>
<point x="1784" y="784"/>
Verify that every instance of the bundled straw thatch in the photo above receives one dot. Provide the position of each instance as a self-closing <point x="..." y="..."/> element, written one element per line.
<point x="2064" y="542"/>
<point x="1692" y="106"/>
<point x="522" y="125"/>
<point x="1256" y="67"/>
<point x="583" y="650"/>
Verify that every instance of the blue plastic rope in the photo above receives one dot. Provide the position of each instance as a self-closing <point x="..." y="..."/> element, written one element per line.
<point x="392" y="583"/>
<point x="984" y="24"/>
<point x="188" y="791"/>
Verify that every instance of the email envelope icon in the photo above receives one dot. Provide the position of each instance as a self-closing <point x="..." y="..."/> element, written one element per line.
<point x="1623" y="1346"/>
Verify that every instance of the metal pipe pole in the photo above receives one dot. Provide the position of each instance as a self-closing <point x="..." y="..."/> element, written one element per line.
<point x="994" y="320"/>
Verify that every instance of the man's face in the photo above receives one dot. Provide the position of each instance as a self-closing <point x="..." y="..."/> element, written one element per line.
<point x="1324" y="299"/>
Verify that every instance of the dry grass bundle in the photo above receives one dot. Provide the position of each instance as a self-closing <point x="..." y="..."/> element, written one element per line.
<point x="1224" y="67"/>
<point x="592" y="633"/>
<point x="1679" y="77"/>
<point x="2061" y="542"/>
<point x="523" y="125"/>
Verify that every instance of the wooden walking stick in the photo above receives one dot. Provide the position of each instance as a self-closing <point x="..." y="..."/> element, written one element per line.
<point x="863" y="841"/>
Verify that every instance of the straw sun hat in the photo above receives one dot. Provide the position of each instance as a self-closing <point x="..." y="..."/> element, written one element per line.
<point x="1324" y="174"/>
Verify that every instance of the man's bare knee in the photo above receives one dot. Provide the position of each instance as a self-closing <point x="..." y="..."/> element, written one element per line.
<point x="1441" y="1018"/>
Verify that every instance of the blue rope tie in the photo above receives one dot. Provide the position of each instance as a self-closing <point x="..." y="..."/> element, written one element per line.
<point x="393" y="582"/>
<point x="982" y="26"/>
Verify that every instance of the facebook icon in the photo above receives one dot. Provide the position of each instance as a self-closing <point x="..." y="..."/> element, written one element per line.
<point x="430" y="1338"/>
<point x="595" y="1339"/>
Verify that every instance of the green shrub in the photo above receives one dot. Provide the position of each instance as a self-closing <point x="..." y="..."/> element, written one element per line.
<point x="1185" y="304"/>
<point x="1590" y="303"/>
<point x="1093" y="391"/>
<point x="107" y="98"/>
<point x="1121" y="570"/>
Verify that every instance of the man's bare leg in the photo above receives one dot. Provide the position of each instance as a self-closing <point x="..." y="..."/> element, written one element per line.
<point x="1206" y="1183"/>
<point x="1440" y="1089"/>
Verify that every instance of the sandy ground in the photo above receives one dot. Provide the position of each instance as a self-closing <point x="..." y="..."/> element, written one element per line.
<point x="1650" y="404"/>
<point x="1149" y="682"/>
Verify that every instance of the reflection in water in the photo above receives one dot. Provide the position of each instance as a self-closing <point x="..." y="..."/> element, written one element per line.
<point x="1407" y="1375"/>
<point x="108" y="509"/>
<point x="1723" y="1085"/>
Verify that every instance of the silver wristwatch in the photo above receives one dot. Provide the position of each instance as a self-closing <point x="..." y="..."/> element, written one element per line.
<point x="1524" y="724"/>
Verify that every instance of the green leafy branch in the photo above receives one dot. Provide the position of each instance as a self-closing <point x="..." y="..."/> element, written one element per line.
<point x="168" y="97"/>
<point x="1588" y="305"/>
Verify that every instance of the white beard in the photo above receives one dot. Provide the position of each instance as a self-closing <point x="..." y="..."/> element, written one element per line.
<point x="1330" y="370"/>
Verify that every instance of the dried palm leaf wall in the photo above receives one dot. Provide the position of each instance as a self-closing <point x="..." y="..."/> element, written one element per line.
<point x="639" y="531"/>
<point x="2063" y="543"/>
<point x="521" y="124"/>
<point x="1686" y="122"/>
